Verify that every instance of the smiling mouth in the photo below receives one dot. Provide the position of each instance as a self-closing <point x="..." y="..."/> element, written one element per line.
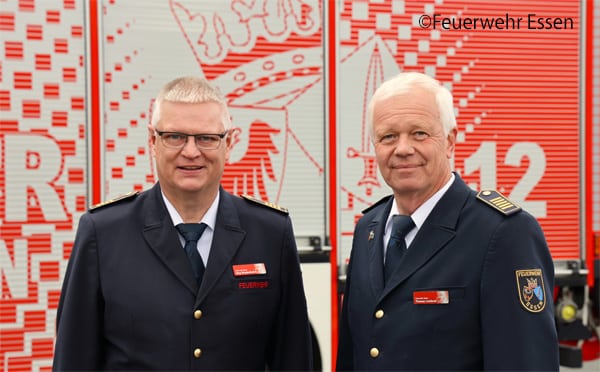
<point x="197" y="167"/>
<point x="404" y="166"/>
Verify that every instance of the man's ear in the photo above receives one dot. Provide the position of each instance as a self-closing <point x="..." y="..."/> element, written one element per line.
<point x="451" y="145"/>
<point x="151" y="138"/>
<point x="230" y="140"/>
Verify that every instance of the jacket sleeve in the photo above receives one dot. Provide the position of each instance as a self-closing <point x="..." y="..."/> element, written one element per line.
<point x="79" y="316"/>
<point x="517" y="335"/>
<point x="291" y="344"/>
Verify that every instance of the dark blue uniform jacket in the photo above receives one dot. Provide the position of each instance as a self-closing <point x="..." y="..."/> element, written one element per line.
<point x="130" y="301"/>
<point x="482" y="259"/>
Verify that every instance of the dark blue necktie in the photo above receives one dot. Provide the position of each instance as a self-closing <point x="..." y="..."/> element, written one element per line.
<point x="191" y="232"/>
<point x="396" y="247"/>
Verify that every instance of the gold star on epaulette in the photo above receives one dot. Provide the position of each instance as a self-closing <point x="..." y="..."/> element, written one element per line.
<point x="498" y="201"/>
<point x="111" y="201"/>
<point x="266" y="204"/>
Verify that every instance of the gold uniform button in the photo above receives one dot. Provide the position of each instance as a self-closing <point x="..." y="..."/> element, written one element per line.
<point x="374" y="352"/>
<point x="379" y="314"/>
<point x="197" y="352"/>
<point x="197" y="314"/>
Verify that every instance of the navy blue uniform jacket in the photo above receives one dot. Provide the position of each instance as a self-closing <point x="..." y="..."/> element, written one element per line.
<point x="130" y="301"/>
<point x="471" y="251"/>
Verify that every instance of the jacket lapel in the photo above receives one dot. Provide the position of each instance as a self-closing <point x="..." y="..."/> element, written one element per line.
<point x="439" y="229"/>
<point x="227" y="239"/>
<point x="161" y="236"/>
<point x="376" y="230"/>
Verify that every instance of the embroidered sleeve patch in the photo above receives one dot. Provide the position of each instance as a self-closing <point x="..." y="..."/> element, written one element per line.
<point x="530" y="287"/>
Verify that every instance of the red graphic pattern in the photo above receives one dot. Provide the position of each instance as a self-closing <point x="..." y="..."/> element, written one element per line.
<point x="222" y="41"/>
<point x="241" y="177"/>
<point x="505" y="83"/>
<point x="495" y="76"/>
<point x="42" y="52"/>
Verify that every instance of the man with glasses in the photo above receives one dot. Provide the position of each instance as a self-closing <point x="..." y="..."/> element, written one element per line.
<point x="184" y="276"/>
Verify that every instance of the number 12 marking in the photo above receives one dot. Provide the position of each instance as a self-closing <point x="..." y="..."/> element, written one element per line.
<point x="484" y="159"/>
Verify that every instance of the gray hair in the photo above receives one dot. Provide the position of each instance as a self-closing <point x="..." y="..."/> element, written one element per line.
<point x="402" y="84"/>
<point x="190" y="89"/>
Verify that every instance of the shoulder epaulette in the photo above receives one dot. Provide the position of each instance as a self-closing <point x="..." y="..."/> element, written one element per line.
<point x="380" y="201"/>
<point x="498" y="201"/>
<point x="129" y="195"/>
<point x="266" y="204"/>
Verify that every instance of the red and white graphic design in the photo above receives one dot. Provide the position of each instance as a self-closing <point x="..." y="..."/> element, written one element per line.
<point x="42" y="170"/>
<point x="215" y="30"/>
<point x="517" y="96"/>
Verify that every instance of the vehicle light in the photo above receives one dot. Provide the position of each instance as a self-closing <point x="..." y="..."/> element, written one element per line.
<point x="566" y="311"/>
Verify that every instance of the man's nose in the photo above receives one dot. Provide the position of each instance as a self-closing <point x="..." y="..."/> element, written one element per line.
<point x="403" y="145"/>
<point x="190" y="146"/>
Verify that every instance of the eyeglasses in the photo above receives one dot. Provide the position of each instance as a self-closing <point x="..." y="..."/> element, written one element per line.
<point x="204" y="141"/>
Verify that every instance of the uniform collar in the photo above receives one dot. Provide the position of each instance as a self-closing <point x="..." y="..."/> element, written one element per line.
<point x="420" y="215"/>
<point x="209" y="217"/>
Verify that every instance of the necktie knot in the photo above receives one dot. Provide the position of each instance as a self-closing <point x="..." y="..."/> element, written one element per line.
<point x="191" y="232"/>
<point x="401" y="225"/>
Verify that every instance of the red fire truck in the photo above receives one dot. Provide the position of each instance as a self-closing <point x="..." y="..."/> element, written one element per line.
<point x="77" y="79"/>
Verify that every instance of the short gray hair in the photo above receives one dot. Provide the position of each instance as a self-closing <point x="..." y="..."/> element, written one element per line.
<point x="190" y="89"/>
<point x="402" y="84"/>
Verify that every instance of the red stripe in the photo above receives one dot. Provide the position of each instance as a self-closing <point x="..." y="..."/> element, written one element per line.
<point x="61" y="46"/>
<point x="60" y="119"/>
<point x="43" y="62"/>
<point x="76" y="175"/>
<point x="77" y="103"/>
<point x="333" y="174"/>
<point x="52" y="16"/>
<point x="22" y="80"/>
<point x="26" y="5"/>
<point x="4" y="100"/>
<point x="31" y="108"/>
<point x="95" y="84"/>
<point x="51" y="90"/>
<point x="67" y="147"/>
<point x="589" y="72"/>
<point x="69" y="75"/>
<point x="34" y="32"/>
<point x="13" y="50"/>
<point x="7" y="21"/>
<point x="76" y="31"/>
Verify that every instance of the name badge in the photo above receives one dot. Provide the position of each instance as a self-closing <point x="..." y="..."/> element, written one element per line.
<point x="249" y="269"/>
<point x="430" y="297"/>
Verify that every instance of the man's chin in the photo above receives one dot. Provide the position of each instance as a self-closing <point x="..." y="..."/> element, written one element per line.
<point x="192" y="186"/>
<point x="406" y="188"/>
<point x="408" y="183"/>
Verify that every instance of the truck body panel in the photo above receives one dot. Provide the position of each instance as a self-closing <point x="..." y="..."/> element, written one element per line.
<point x="78" y="78"/>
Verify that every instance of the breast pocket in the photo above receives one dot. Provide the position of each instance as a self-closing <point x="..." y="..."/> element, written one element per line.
<point x="444" y="309"/>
